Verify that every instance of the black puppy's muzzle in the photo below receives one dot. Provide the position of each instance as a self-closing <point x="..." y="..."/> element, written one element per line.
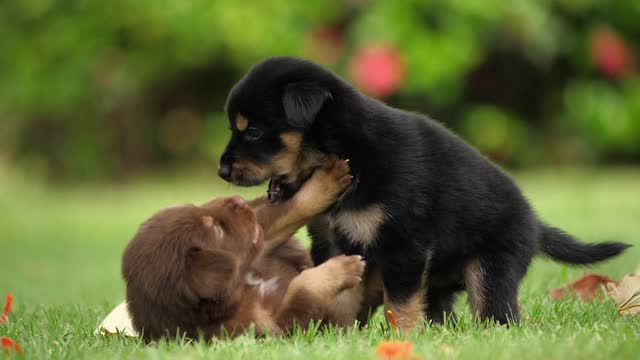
<point x="224" y="170"/>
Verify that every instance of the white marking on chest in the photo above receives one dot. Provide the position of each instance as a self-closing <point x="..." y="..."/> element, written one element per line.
<point x="265" y="287"/>
<point x="361" y="226"/>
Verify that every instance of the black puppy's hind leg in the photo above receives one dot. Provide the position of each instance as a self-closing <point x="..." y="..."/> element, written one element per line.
<point x="404" y="285"/>
<point x="492" y="285"/>
<point x="439" y="304"/>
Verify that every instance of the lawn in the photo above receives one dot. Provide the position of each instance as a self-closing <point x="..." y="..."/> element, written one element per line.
<point x="60" y="256"/>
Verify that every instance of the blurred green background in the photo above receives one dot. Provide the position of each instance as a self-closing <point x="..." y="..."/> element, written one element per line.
<point x="95" y="90"/>
<point x="110" y="110"/>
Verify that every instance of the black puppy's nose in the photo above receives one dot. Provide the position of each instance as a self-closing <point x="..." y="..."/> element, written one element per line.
<point x="225" y="170"/>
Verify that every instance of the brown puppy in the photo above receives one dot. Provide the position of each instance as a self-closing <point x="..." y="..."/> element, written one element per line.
<point x="219" y="268"/>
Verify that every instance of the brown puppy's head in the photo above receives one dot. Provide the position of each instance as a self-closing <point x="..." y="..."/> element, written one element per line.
<point x="184" y="263"/>
<point x="271" y="111"/>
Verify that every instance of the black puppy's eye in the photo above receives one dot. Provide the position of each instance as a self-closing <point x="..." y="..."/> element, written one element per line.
<point x="253" y="133"/>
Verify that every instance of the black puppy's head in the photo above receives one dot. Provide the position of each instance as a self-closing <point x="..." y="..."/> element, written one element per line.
<point x="270" y="110"/>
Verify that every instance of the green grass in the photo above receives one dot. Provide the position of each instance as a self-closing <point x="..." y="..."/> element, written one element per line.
<point x="60" y="257"/>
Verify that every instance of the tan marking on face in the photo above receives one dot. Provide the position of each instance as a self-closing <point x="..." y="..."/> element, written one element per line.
<point x="361" y="226"/>
<point x="408" y="313"/>
<point x="287" y="160"/>
<point x="474" y="282"/>
<point x="241" y="122"/>
<point x="251" y="169"/>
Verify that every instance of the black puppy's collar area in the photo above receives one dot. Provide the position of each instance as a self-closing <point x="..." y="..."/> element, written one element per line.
<point x="273" y="191"/>
<point x="279" y="191"/>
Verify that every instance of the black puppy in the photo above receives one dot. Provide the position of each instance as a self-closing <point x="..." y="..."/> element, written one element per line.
<point x="427" y="210"/>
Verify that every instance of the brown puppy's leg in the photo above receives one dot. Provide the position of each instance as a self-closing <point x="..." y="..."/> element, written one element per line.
<point x="358" y="302"/>
<point x="310" y="293"/>
<point x="343" y="310"/>
<point x="257" y="203"/>
<point x="280" y="221"/>
<point x="372" y="297"/>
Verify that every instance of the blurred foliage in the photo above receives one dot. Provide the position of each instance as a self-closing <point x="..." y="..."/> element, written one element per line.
<point x="92" y="89"/>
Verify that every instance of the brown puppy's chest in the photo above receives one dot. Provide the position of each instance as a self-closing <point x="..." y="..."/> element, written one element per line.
<point x="270" y="276"/>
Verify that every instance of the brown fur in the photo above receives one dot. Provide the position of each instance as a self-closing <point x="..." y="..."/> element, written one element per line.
<point x="474" y="282"/>
<point x="203" y="270"/>
<point x="372" y="296"/>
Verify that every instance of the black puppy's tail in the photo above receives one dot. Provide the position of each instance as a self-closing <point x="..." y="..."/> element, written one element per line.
<point x="563" y="247"/>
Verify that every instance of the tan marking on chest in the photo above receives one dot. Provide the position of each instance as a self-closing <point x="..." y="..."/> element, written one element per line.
<point x="264" y="287"/>
<point x="360" y="226"/>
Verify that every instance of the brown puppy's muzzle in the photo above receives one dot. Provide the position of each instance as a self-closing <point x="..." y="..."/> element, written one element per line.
<point x="242" y="218"/>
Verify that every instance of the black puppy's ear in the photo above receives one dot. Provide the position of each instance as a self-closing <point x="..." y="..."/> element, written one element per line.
<point x="302" y="101"/>
<point x="211" y="272"/>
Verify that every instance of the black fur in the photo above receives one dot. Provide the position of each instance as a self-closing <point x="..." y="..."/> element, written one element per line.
<point x="302" y="101"/>
<point x="446" y="204"/>
<point x="561" y="246"/>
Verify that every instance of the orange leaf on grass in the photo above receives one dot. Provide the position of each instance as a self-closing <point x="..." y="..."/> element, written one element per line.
<point x="397" y="350"/>
<point x="586" y="287"/>
<point x="7" y="309"/>
<point x="392" y="319"/>
<point x="9" y="345"/>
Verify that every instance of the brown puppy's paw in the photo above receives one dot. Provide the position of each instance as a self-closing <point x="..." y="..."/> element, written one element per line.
<point x="340" y="172"/>
<point x="324" y="187"/>
<point x="328" y="279"/>
<point x="347" y="270"/>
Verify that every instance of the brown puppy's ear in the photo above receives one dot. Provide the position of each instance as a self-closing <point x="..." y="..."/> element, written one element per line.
<point x="212" y="273"/>
<point x="302" y="101"/>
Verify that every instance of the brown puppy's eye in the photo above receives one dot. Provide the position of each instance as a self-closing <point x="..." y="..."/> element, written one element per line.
<point x="194" y="250"/>
<point x="253" y="133"/>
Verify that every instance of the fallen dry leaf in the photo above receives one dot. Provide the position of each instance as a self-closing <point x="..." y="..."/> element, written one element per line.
<point x="396" y="350"/>
<point x="626" y="294"/>
<point x="586" y="287"/>
<point x="117" y="322"/>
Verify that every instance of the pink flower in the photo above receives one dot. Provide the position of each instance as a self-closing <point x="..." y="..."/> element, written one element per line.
<point x="610" y="53"/>
<point x="378" y="70"/>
